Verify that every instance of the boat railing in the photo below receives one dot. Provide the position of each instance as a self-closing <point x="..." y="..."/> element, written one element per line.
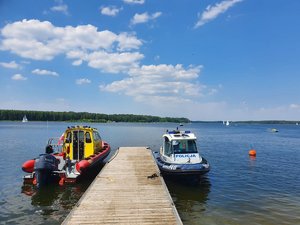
<point x="178" y="132"/>
<point x="56" y="144"/>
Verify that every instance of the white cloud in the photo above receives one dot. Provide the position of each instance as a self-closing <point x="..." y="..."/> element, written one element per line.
<point x="127" y="41"/>
<point x="10" y="65"/>
<point x="164" y="71"/>
<point x="114" y="62"/>
<point x="108" y="62"/>
<point x="60" y="7"/>
<point x="44" y="72"/>
<point x="59" y="104"/>
<point x="18" y="77"/>
<point x="160" y="82"/>
<point x="212" y="91"/>
<point x="294" y="106"/>
<point x="144" y="17"/>
<point x="212" y="12"/>
<point x="33" y="39"/>
<point x="83" y="81"/>
<point x="77" y="62"/>
<point x="110" y="10"/>
<point x="134" y="1"/>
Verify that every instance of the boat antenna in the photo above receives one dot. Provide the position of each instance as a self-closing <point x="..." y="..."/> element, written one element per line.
<point x="47" y="128"/>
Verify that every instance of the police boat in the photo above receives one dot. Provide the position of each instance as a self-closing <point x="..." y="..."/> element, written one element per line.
<point x="179" y="155"/>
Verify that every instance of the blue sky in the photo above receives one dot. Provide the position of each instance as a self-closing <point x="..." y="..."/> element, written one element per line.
<point x="204" y="60"/>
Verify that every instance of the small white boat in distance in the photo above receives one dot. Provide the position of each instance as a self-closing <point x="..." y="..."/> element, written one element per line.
<point x="227" y="123"/>
<point x="24" y="120"/>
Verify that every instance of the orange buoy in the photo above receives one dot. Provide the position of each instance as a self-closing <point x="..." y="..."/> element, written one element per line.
<point x="28" y="166"/>
<point x="252" y="152"/>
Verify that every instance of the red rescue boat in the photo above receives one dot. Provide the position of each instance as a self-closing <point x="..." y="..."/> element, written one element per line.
<point x="79" y="149"/>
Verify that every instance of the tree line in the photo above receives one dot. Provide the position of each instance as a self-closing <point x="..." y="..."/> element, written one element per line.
<point x="17" y="115"/>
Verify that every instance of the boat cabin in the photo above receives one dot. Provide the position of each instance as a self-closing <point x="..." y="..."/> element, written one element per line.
<point x="179" y="146"/>
<point x="81" y="142"/>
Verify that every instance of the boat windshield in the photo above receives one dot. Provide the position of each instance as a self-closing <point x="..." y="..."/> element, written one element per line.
<point x="184" y="146"/>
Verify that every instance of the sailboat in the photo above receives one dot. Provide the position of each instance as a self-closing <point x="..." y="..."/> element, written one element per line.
<point x="24" y="120"/>
<point x="227" y="123"/>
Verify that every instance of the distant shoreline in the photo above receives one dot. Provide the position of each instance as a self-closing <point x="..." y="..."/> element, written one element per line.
<point x="85" y="117"/>
<point x="205" y="122"/>
<point x="17" y="115"/>
<point x="255" y="122"/>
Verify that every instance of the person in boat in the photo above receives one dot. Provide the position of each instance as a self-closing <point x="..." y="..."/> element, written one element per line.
<point x="176" y="146"/>
<point x="168" y="149"/>
<point x="88" y="138"/>
<point x="49" y="149"/>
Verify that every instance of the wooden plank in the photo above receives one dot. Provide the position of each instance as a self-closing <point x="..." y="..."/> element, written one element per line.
<point x="126" y="191"/>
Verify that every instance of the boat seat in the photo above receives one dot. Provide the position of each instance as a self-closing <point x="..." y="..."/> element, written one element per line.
<point x="61" y="162"/>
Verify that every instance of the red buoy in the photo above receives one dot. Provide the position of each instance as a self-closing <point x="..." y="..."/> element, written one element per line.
<point x="252" y="152"/>
<point x="28" y="166"/>
<point x="61" y="181"/>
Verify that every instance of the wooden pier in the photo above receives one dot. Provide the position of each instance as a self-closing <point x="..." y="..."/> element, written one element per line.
<point x="128" y="190"/>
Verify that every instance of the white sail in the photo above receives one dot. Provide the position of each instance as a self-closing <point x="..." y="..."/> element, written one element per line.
<point x="227" y="123"/>
<point x="24" y="120"/>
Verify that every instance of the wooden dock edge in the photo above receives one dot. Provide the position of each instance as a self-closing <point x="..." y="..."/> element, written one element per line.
<point x="176" y="214"/>
<point x="178" y="219"/>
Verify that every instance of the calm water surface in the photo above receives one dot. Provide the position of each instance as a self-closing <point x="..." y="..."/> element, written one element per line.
<point x="237" y="190"/>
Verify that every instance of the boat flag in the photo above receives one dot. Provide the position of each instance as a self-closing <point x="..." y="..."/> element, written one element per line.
<point x="61" y="139"/>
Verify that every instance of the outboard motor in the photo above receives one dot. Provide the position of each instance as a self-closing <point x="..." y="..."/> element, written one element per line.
<point x="44" y="166"/>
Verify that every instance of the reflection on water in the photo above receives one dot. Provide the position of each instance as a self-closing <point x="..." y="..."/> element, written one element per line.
<point x="190" y="197"/>
<point x="59" y="196"/>
<point x="185" y="190"/>
<point x="52" y="203"/>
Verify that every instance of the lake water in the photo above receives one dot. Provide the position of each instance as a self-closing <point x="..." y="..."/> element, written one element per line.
<point x="238" y="189"/>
